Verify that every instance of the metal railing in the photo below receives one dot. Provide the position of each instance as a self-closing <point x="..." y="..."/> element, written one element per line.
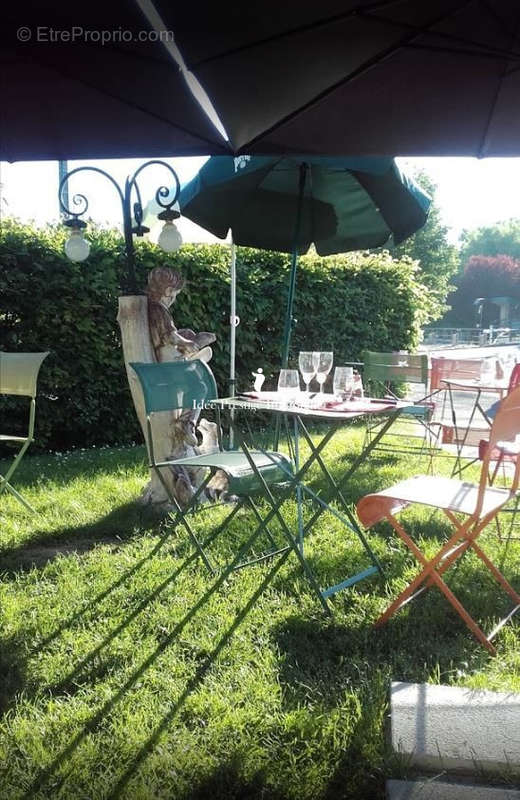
<point x="475" y="337"/>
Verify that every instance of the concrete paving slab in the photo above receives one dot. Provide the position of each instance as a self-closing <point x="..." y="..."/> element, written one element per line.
<point x="455" y="729"/>
<point x="439" y="790"/>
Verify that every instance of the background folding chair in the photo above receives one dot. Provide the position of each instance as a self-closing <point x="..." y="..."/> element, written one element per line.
<point x="382" y="372"/>
<point x="178" y="385"/>
<point x="18" y="377"/>
<point x="466" y="434"/>
<point x="479" y="504"/>
<point x="451" y="369"/>
<point x="467" y="369"/>
<point x="499" y="456"/>
<point x="458" y="433"/>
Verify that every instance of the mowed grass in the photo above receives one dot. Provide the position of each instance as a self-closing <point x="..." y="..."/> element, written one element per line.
<point x="129" y="671"/>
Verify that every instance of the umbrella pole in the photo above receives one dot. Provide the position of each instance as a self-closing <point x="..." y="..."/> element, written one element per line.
<point x="294" y="265"/>
<point x="233" y="322"/>
<point x="292" y="287"/>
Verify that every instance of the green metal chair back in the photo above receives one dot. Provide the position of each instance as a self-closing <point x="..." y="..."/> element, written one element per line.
<point x="19" y="373"/>
<point x="172" y="385"/>
<point x="395" y="367"/>
<point x="384" y="372"/>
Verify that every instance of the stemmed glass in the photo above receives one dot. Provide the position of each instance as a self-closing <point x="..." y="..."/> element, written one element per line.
<point x="307" y="368"/>
<point x="323" y="362"/>
<point x="343" y="385"/>
<point x="289" y="383"/>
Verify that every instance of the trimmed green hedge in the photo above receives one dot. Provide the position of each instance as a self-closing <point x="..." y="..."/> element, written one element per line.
<point x="343" y="303"/>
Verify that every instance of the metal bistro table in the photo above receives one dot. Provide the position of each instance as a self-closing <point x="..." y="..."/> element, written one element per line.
<point x="462" y="432"/>
<point x="299" y="416"/>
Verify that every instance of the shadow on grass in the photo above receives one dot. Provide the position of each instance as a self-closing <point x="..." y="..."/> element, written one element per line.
<point x="330" y="665"/>
<point x="120" y="525"/>
<point x="89" y="668"/>
<point x="323" y="661"/>
<point x="77" y="675"/>
<point x="12" y="671"/>
<point x="227" y="781"/>
<point x="328" y="659"/>
<point x="367" y="746"/>
<point x="97" y="718"/>
<point x="12" y="657"/>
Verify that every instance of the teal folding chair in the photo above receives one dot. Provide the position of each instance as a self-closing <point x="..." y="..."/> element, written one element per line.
<point x="182" y="385"/>
<point x="382" y="373"/>
<point x="18" y="377"/>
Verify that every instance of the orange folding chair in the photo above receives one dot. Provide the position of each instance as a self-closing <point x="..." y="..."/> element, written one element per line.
<point x="477" y="503"/>
<point x="501" y="456"/>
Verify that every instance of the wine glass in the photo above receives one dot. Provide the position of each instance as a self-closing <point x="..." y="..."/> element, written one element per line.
<point x="343" y="384"/>
<point x="307" y="368"/>
<point x="487" y="371"/>
<point x="289" y="383"/>
<point x="358" y="391"/>
<point x="324" y="366"/>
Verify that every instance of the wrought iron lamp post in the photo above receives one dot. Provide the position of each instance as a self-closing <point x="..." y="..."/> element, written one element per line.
<point x="77" y="247"/>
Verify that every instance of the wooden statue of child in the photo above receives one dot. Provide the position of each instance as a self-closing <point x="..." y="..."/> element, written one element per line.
<point x="169" y="343"/>
<point x="172" y="344"/>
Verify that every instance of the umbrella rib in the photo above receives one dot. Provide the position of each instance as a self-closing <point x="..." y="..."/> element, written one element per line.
<point x="132" y="104"/>
<point x="512" y="56"/>
<point x="311" y="26"/>
<point x="497" y="17"/>
<point x="495" y="101"/>
<point x="482" y="49"/>
<point x="357" y="73"/>
<point x="366" y="13"/>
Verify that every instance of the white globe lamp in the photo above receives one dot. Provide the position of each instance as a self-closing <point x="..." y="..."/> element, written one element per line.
<point x="76" y="247"/>
<point x="170" y="238"/>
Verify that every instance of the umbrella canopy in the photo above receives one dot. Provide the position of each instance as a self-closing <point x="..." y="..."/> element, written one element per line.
<point x="363" y="77"/>
<point x="346" y="203"/>
<point x="92" y="81"/>
<point x="287" y="204"/>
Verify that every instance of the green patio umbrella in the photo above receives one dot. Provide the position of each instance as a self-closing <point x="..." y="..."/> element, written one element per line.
<point x="288" y="203"/>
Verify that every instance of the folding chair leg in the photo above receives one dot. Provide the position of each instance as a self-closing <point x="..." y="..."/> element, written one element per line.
<point x="514" y="511"/>
<point x="275" y="512"/>
<point x="7" y="486"/>
<point x="180" y="515"/>
<point x="260" y="520"/>
<point x="338" y="493"/>
<point x="496" y="573"/>
<point x="403" y="598"/>
<point x="470" y="541"/>
<point x="459" y="608"/>
<point x="4" y="479"/>
<point x="429" y="572"/>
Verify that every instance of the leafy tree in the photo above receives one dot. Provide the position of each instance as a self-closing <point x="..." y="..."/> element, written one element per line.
<point x="491" y="240"/>
<point x="485" y="276"/>
<point x="438" y="259"/>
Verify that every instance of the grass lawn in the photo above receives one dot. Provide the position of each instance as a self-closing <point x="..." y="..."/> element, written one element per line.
<point x="124" y="673"/>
